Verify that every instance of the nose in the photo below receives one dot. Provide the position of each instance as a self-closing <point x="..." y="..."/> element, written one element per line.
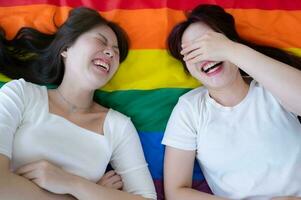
<point x="108" y="52"/>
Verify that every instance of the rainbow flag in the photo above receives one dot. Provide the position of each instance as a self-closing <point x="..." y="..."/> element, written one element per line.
<point x="149" y="83"/>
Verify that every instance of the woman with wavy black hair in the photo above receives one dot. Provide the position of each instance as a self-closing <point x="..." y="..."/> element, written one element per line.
<point x="245" y="134"/>
<point x="59" y="139"/>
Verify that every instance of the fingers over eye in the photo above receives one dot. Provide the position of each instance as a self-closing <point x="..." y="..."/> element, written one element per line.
<point x="190" y="48"/>
<point x="192" y="55"/>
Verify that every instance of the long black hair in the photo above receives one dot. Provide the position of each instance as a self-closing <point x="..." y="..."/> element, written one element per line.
<point x="36" y="56"/>
<point x="220" y="21"/>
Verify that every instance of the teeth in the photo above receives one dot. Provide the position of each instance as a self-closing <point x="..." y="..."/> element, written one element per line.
<point x="212" y="70"/>
<point x="211" y="64"/>
<point x="101" y="64"/>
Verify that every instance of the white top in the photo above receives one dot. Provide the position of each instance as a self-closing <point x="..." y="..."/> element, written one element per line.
<point x="249" y="151"/>
<point x="28" y="133"/>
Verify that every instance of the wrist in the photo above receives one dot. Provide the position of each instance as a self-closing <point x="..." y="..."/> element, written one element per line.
<point x="75" y="185"/>
<point x="232" y="50"/>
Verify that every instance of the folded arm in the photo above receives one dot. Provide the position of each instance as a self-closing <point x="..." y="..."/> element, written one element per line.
<point x="13" y="186"/>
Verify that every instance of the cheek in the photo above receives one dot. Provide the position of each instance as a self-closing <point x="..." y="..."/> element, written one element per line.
<point x="233" y="71"/>
<point x="116" y="60"/>
<point x="115" y="64"/>
<point x="189" y="67"/>
<point x="193" y="70"/>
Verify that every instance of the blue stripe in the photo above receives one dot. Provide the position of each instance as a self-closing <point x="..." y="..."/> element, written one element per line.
<point x="154" y="155"/>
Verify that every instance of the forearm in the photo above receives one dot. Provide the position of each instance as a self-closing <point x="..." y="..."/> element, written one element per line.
<point x="18" y="188"/>
<point x="282" y="80"/>
<point x="191" y="194"/>
<point x="83" y="189"/>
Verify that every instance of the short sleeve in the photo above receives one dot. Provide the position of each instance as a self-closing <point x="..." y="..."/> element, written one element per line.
<point x="11" y="112"/>
<point x="129" y="162"/>
<point x="181" y="131"/>
<point x="273" y="99"/>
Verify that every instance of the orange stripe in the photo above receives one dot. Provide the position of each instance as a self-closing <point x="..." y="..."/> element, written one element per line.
<point x="278" y="28"/>
<point x="148" y="28"/>
<point x="41" y="17"/>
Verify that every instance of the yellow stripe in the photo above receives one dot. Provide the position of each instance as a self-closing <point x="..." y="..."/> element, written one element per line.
<point x="4" y="78"/>
<point x="296" y="51"/>
<point x="147" y="69"/>
<point x="150" y="69"/>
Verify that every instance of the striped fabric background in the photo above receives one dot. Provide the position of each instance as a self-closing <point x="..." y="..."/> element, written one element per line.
<point x="149" y="82"/>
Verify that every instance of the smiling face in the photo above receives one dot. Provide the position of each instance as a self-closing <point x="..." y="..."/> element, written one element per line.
<point x="93" y="58"/>
<point x="214" y="75"/>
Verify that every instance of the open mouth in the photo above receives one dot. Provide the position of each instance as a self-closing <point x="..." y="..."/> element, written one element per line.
<point x="101" y="64"/>
<point x="211" y="67"/>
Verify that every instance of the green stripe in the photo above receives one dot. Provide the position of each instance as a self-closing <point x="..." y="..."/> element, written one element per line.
<point x="148" y="109"/>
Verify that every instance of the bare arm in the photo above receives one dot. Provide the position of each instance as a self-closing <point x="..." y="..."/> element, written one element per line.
<point x="58" y="181"/>
<point x="178" y="185"/>
<point x="10" y="183"/>
<point x="282" y="80"/>
<point x="83" y="189"/>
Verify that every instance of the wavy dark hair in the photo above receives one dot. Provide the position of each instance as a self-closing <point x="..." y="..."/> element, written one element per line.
<point x="36" y="56"/>
<point x="220" y="21"/>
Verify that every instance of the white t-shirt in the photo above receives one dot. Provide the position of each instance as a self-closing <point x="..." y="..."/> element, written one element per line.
<point x="249" y="151"/>
<point x="28" y="133"/>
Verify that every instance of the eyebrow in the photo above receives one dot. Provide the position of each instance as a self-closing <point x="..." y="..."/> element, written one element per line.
<point x="106" y="40"/>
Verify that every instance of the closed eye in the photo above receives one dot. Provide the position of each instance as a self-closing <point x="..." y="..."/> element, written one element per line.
<point x="116" y="50"/>
<point x="101" y="41"/>
<point x="104" y="41"/>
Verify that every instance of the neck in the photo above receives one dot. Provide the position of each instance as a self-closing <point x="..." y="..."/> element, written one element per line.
<point x="75" y="98"/>
<point x="231" y="94"/>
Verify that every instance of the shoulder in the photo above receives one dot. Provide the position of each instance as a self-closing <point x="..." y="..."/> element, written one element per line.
<point x="189" y="108"/>
<point x="118" y="127"/>
<point x="20" y="85"/>
<point x="116" y="122"/>
<point x="21" y="91"/>
<point x="264" y="97"/>
<point x="117" y="117"/>
<point x="193" y="98"/>
<point x="259" y="91"/>
<point x="194" y="95"/>
<point x="17" y="84"/>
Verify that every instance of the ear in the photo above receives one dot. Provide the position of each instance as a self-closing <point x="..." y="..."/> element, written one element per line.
<point x="64" y="54"/>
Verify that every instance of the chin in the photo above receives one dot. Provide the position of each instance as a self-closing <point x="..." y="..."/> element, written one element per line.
<point x="216" y="85"/>
<point x="96" y="84"/>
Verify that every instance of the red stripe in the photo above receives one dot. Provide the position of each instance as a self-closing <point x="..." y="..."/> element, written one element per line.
<point x="174" y="4"/>
<point x="244" y="4"/>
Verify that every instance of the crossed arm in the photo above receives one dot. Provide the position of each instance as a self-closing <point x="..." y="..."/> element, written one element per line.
<point x="42" y="180"/>
<point x="10" y="183"/>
